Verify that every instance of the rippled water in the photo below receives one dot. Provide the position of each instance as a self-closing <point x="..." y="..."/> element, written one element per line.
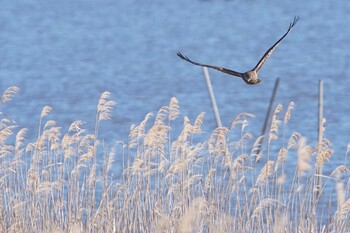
<point x="65" y="54"/>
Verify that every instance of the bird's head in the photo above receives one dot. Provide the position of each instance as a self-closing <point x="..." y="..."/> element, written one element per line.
<point x="251" y="77"/>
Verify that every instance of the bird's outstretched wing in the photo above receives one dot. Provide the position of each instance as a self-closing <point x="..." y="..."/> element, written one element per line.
<point x="270" y="50"/>
<point x="227" y="71"/>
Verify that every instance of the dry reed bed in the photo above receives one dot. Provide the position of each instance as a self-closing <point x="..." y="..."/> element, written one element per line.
<point x="57" y="184"/>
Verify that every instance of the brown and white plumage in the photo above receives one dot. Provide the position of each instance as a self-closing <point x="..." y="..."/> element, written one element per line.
<point x="251" y="76"/>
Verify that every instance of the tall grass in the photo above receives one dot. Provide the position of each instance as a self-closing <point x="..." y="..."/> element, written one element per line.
<point x="168" y="183"/>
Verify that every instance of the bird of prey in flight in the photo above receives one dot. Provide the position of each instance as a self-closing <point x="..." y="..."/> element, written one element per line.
<point x="251" y="76"/>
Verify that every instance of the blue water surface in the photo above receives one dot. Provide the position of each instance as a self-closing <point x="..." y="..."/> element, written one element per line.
<point x="66" y="53"/>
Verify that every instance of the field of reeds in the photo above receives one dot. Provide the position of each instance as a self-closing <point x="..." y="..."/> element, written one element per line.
<point x="66" y="182"/>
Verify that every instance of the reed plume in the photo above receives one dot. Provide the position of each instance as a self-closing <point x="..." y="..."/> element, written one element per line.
<point x="8" y="94"/>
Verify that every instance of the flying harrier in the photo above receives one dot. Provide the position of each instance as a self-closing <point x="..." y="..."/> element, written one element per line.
<point x="250" y="77"/>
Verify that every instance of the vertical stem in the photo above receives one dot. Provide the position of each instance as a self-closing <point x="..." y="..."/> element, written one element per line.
<point x="320" y="112"/>
<point x="212" y="97"/>
<point x="320" y="135"/>
<point x="269" y="111"/>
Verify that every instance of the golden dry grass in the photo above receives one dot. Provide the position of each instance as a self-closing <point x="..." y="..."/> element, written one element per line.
<point x="57" y="184"/>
